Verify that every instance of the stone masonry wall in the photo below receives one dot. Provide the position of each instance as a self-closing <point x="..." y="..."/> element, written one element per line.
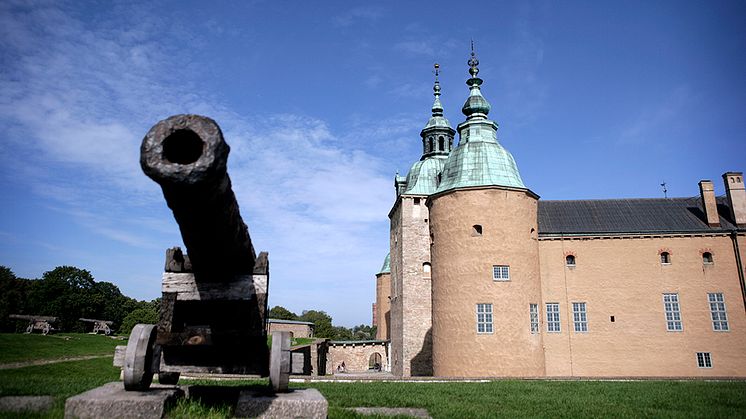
<point x="356" y="356"/>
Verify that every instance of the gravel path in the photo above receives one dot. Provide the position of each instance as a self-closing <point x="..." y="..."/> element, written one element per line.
<point x="11" y="365"/>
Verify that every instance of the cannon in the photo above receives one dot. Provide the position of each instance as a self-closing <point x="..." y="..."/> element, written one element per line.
<point x="213" y="315"/>
<point x="45" y="324"/>
<point x="99" y="326"/>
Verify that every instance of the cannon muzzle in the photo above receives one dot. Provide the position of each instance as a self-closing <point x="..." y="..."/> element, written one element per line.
<point x="187" y="156"/>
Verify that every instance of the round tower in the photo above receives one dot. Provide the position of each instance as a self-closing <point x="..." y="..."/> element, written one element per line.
<point x="486" y="290"/>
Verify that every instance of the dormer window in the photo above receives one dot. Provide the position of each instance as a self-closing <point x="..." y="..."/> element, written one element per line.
<point x="476" y="230"/>
<point x="665" y="258"/>
<point x="707" y="258"/>
<point x="570" y="260"/>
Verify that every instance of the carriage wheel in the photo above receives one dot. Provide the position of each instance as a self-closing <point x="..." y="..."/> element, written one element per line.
<point x="279" y="361"/>
<point x="138" y="358"/>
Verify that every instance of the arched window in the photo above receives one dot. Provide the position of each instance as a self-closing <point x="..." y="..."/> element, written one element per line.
<point x="665" y="258"/>
<point x="430" y="142"/>
<point x="570" y="260"/>
<point x="426" y="268"/>
<point x="442" y="143"/>
<point x="476" y="230"/>
<point x="707" y="258"/>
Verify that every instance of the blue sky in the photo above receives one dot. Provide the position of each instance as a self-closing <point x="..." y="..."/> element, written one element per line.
<point x="322" y="102"/>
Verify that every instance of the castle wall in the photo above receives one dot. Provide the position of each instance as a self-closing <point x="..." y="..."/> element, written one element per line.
<point x="383" y="306"/>
<point x="463" y="277"/>
<point x="624" y="278"/>
<point x="356" y="356"/>
<point x="411" y="344"/>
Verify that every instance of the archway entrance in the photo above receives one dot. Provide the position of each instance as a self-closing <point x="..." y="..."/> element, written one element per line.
<point x="375" y="361"/>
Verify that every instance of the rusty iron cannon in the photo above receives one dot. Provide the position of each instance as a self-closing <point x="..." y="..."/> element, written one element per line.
<point x="213" y="315"/>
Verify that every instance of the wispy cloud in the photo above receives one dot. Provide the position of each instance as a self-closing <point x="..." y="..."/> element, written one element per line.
<point x="76" y="104"/>
<point x="652" y="117"/>
<point x="357" y="15"/>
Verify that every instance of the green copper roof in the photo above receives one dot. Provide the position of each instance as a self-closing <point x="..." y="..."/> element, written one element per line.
<point x="479" y="160"/>
<point x="423" y="176"/>
<point x="386" y="268"/>
<point x="480" y="163"/>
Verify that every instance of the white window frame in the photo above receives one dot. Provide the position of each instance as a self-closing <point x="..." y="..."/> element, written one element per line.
<point x="672" y="309"/>
<point x="501" y="272"/>
<point x="580" y="317"/>
<point x="718" y="313"/>
<point x="484" y="318"/>
<point x="533" y="313"/>
<point x="553" y="318"/>
<point x="704" y="360"/>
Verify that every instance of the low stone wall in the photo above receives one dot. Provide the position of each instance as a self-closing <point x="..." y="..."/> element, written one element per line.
<point x="357" y="356"/>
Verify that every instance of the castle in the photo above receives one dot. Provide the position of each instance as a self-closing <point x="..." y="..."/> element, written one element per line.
<point x="484" y="279"/>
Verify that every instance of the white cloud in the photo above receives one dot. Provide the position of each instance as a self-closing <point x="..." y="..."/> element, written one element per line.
<point x="78" y="102"/>
<point x="651" y="118"/>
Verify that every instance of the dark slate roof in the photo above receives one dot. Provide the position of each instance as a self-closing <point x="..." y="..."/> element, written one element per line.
<point x="618" y="216"/>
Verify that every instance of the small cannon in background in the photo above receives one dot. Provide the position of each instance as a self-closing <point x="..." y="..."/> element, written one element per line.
<point x="45" y="324"/>
<point x="99" y="326"/>
<point x="213" y="315"/>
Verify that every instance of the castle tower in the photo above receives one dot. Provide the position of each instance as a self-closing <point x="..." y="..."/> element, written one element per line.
<point x="485" y="256"/>
<point x="411" y="344"/>
<point x="383" y="300"/>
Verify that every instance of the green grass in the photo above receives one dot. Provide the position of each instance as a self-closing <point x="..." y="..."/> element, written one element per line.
<point x="60" y="380"/>
<point x="507" y="398"/>
<point x="20" y="347"/>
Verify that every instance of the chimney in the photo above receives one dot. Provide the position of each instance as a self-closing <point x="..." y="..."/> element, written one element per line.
<point x="736" y="193"/>
<point x="709" y="205"/>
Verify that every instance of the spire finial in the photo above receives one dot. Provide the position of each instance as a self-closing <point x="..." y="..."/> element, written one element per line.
<point x="473" y="62"/>
<point x="437" y="107"/>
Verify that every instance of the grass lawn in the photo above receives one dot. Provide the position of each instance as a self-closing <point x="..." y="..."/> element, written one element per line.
<point x="18" y="347"/>
<point x="508" y="398"/>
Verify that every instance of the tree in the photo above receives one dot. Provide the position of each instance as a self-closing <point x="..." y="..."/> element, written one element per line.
<point x="281" y="313"/>
<point x="322" y="322"/>
<point x="12" y="297"/>
<point x="146" y="315"/>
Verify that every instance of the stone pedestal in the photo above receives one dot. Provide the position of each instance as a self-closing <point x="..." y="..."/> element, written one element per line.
<point x="112" y="401"/>
<point x="299" y="403"/>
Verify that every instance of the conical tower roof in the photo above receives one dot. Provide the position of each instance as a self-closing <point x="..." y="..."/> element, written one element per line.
<point x="479" y="159"/>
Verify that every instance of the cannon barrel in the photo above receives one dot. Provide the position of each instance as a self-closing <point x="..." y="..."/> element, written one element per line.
<point x="187" y="156"/>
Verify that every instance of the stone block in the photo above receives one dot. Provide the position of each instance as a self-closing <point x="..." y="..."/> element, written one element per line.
<point x="112" y="401"/>
<point x="26" y="403"/>
<point x="298" y="403"/>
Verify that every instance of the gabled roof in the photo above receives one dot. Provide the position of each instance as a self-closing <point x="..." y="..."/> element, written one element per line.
<point x="619" y="216"/>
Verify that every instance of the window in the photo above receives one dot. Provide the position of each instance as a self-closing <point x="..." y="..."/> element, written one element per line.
<point x="533" y="310"/>
<point x="442" y="142"/>
<point x="673" y="312"/>
<point x="501" y="273"/>
<point x="553" y="317"/>
<point x="476" y="230"/>
<point x="570" y="260"/>
<point x="417" y="201"/>
<point x="717" y="312"/>
<point x="579" y="317"/>
<point x="484" y="318"/>
<point x="704" y="360"/>
<point x="426" y="268"/>
<point x="665" y="258"/>
<point x="430" y="143"/>
<point x="707" y="258"/>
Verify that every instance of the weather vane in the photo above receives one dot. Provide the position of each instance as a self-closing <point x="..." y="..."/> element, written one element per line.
<point x="473" y="61"/>
<point x="665" y="191"/>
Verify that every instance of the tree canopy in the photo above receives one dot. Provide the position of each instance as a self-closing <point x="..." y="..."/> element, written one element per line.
<point x="65" y="292"/>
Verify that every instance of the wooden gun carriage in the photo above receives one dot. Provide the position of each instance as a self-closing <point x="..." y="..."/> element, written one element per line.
<point x="99" y="326"/>
<point x="44" y="324"/>
<point x="213" y="315"/>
